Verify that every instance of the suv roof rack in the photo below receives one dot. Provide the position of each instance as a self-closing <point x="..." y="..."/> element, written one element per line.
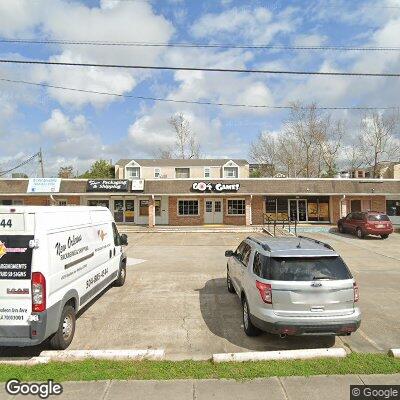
<point x="328" y="246"/>
<point x="263" y="245"/>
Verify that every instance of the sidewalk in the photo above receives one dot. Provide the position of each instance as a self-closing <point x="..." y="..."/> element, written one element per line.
<point x="286" y="388"/>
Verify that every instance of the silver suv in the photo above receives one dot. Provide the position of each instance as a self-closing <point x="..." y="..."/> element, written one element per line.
<point x="293" y="286"/>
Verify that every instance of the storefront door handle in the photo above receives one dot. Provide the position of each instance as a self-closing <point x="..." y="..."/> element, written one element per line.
<point x="110" y="253"/>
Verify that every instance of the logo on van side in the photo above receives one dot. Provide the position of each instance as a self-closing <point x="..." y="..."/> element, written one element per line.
<point x="3" y="249"/>
<point x="101" y="234"/>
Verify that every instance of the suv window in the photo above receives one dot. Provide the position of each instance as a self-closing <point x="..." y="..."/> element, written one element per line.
<point x="239" y="250"/>
<point x="258" y="264"/>
<point x="378" y="217"/>
<point x="300" y="269"/>
<point x="246" y="254"/>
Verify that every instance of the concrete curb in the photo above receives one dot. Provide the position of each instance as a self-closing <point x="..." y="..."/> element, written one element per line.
<point x="73" y="355"/>
<point x="23" y="361"/>
<point x="76" y="355"/>
<point x="394" y="353"/>
<point x="303" y="354"/>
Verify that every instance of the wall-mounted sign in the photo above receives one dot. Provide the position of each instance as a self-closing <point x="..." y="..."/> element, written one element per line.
<point x="215" y="187"/>
<point x="44" y="185"/>
<point x="137" y="185"/>
<point x="107" y="185"/>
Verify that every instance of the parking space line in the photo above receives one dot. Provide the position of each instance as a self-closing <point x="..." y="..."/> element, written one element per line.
<point x="369" y="340"/>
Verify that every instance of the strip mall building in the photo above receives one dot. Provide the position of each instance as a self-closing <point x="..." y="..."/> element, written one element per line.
<point x="202" y="192"/>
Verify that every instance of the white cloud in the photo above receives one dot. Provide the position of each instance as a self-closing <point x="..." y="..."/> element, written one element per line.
<point x="256" y="24"/>
<point x="113" y="21"/>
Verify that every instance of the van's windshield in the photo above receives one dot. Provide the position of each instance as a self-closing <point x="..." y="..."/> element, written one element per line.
<point x="301" y="269"/>
<point x="15" y="257"/>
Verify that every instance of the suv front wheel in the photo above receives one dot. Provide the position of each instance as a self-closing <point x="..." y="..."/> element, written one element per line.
<point x="249" y="328"/>
<point x="359" y="233"/>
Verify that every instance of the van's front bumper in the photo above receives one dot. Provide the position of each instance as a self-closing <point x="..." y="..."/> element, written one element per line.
<point x="31" y="334"/>
<point x="343" y="325"/>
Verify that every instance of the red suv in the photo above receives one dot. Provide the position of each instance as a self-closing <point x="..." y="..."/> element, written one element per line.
<point x="366" y="223"/>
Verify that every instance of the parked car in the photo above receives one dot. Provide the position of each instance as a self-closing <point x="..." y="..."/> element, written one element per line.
<point x="54" y="261"/>
<point x="293" y="286"/>
<point x="366" y="223"/>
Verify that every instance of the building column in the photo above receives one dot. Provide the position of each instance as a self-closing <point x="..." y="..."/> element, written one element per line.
<point x="248" y="210"/>
<point x="152" y="212"/>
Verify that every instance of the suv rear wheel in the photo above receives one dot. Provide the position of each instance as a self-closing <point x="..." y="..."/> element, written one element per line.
<point x="384" y="236"/>
<point x="66" y="329"/>
<point x="359" y="233"/>
<point x="249" y="328"/>
<point x="229" y="285"/>
<point x="340" y="228"/>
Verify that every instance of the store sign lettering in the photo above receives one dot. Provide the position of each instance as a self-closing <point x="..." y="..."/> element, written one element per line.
<point x="107" y="185"/>
<point x="215" y="187"/>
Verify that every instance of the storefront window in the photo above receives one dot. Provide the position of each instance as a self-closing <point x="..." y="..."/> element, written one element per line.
<point x="99" y="203"/>
<point x="157" y="206"/>
<point x="393" y="208"/>
<point x="236" y="207"/>
<point x="355" y="205"/>
<point x="144" y="208"/>
<point x="129" y="210"/>
<point x="282" y="209"/>
<point x="188" y="207"/>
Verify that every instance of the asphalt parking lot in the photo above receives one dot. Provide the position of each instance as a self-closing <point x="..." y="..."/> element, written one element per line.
<point x="177" y="299"/>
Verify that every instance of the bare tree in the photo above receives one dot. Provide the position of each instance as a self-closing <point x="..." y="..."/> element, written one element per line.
<point x="309" y="144"/>
<point x="305" y="126"/>
<point x="187" y="145"/>
<point x="66" y="172"/>
<point x="330" y="141"/>
<point x="164" y="153"/>
<point x="377" y="139"/>
<point x="354" y="156"/>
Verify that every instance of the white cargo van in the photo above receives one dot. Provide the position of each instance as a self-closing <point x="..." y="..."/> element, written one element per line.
<point x="53" y="261"/>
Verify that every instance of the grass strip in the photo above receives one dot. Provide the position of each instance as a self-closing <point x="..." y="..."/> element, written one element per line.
<point x="355" y="363"/>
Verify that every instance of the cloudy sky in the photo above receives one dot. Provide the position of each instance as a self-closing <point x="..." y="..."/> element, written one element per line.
<point x="77" y="128"/>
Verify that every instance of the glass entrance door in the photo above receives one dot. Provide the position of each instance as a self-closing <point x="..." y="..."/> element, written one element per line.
<point x="298" y="210"/>
<point x="213" y="211"/>
<point x="124" y="210"/>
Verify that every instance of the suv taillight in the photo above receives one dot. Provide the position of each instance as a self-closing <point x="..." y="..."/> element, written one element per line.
<point x="356" y="292"/>
<point x="265" y="290"/>
<point x="38" y="292"/>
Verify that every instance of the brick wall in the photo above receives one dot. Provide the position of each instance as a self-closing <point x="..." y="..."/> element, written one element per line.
<point x="257" y="209"/>
<point x="375" y="203"/>
<point x="233" y="219"/>
<point x="175" y="219"/>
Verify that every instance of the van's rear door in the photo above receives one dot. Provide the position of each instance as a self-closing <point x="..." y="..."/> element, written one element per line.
<point x="320" y="286"/>
<point x="15" y="270"/>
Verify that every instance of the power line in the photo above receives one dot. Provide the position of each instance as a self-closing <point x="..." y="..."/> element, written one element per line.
<point x="228" y="70"/>
<point x="198" y="45"/>
<point x="209" y="103"/>
<point x="2" y="173"/>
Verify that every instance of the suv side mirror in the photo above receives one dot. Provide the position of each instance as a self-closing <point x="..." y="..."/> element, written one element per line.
<point x="229" y="253"/>
<point x="123" y="239"/>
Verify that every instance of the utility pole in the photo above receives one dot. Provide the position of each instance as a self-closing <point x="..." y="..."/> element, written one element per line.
<point x="41" y="162"/>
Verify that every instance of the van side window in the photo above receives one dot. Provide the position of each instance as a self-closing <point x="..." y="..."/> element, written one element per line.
<point x="116" y="235"/>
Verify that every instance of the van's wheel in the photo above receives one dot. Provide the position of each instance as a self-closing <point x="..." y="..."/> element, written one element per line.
<point x="121" y="276"/>
<point x="359" y="233"/>
<point x="229" y="285"/>
<point x="384" y="236"/>
<point x="66" y="329"/>
<point x="249" y="328"/>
